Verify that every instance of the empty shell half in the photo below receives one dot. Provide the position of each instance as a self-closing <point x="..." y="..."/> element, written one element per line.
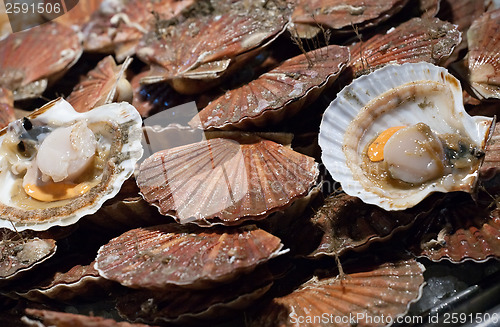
<point x="57" y="165"/>
<point x="400" y="133"/>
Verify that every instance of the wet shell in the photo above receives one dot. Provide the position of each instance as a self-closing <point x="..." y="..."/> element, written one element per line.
<point x="340" y="14"/>
<point x="174" y="255"/>
<point x="202" y="48"/>
<point x="7" y="114"/>
<point x="430" y="40"/>
<point x="385" y="290"/>
<point x="104" y="84"/>
<point x="491" y="162"/>
<point x="118" y="147"/>
<point x="247" y="180"/>
<point x="277" y="94"/>
<point x="57" y="48"/>
<point x="459" y="230"/>
<point x="410" y="94"/>
<point x="484" y="55"/>
<point x="64" y="319"/>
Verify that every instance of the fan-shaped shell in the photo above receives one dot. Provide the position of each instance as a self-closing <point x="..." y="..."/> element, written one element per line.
<point x="29" y="58"/>
<point x="117" y="130"/>
<point x="224" y="181"/>
<point x="398" y="95"/>
<point x="168" y="255"/>
<point x="79" y="15"/>
<point x="105" y="83"/>
<point x="386" y="291"/>
<point x="484" y="55"/>
<point x="459" y="230"/>
<point x="279" y="93"/>
<point x="430" y="40"/>
<point x="203" y="47"/>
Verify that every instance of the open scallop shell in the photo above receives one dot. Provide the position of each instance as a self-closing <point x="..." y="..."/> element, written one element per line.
<point x="397" y="95"/>
<point x="175" y="255"/>
<point x="223" y="181"/>
<point x="104" y="84"/>
<point x="118" y="134"/>
<point x="29" y="58"/>
<point x="386" y="291"/>
<point x="278" y="93"/>
<point x="484" y="55"/>
<point x="430" y="40"/>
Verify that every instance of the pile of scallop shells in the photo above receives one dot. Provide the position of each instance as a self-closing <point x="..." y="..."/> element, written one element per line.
<point x="267" y="163"/>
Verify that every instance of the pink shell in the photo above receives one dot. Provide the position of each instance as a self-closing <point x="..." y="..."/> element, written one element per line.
<point x="247" y="180"/>
<point x="32" y="56"/>
<point x="416" y="40"/>
<point x="80" y="14"/>
<point x="484" y="55"/>
<point x="174" y="255"/>
<point x="387" y="290"/>
<point x="279" y="93"/>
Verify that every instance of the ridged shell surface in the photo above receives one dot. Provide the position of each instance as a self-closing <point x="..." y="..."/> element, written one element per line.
<point x="397" y="95"/>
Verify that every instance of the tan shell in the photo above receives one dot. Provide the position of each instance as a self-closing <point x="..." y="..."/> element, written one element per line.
<point x="104" y="84"/>
<point x="202" y="48"/>
<point x="56" y="48"/>
<point x="247" y="180"/>
<point x="174" y="255"/>
<point x="484" y="55"/>
<point x="491" y="162"/>
<point x="7" y="113"/>
<point x="429" y="8"/>
<point x="276" y="94"/>
<point x="430" y="40"/>
<point x="387" y="289"/>
<point x="80" y="14"/>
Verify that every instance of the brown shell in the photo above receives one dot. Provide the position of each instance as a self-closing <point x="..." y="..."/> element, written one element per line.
<point x="104" y="84"/>
<point x="20" y="255"/>
<point x="277" y="94"/>
<point x="459" y="230"/>
<point x="195" y="306"/>
<point x="340" y="14"/>
<point x="7" y="113"/>
<point x="29" y="58"/>
<point x="120" y="26"/>
<point x="80" y="14"/>
<point x="491" y="162"/>
<point x="416" y="40"/>
<point x="429" y="8"/>
<point x="64" y="319"/>
<point x="247" y="180"/>
<point x="385" y="290"/>
<point x="175" y="255"/>
<point x="202" y="48"/>
<point x="484" y="55"/>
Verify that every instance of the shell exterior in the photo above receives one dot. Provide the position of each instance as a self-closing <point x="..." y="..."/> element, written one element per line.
<point x="80" y="14"/>
<point x="430" y="40"/>
<point x="202" y="48"/>
<point x="483" y="56"/>
<point x="276" y="94"/>
<point x="7" y="114"/>
<point x="118" y="129"/>
<point x="429" y="8"/>
<point x="491" y="162"/>
<point x="247" y="180"/>
<point x="57" y="48"/>
<point x="457" y="231"/>
<point x="387" y="289"/>
<point x="174" y="255"/>
<point x="104" y="84"/>
<point x="367" y="107"/>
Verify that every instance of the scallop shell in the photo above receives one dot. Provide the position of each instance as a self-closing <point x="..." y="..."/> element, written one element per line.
<point x="340" y="14"/>
<point x="459" y="230"/>
<point x="386" y="291"/>
<point x="247" y="180"/>
<point x="484" y="56"/>
<point x="57" y="48"/>
<point x="79" y="15"/>
<point x="174" y="255"/>
<point x="7" y="113"/>
<point x="429" y="8"/>
<point x="117" y="126"/>
<point x="277" y="94"/>
<point x="61" y="319"/>
<point x="491" y="162"/>
<point x="430" y="40"/>
<point x="367" y="107"/>
<point x="202" y="48"/>
<point x="104" y="84"/>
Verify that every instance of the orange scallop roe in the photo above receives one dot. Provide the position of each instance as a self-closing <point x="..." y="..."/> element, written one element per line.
<point x="56" y="191"/>
<point x="376" y="149"/>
